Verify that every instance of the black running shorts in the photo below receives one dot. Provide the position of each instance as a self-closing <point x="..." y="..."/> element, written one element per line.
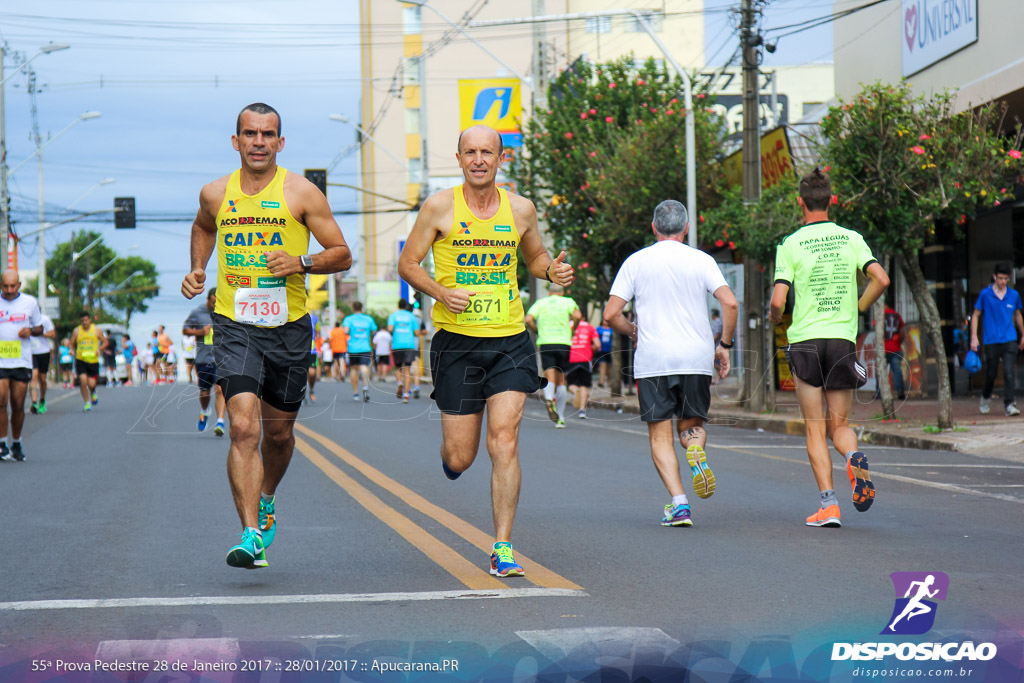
<point x="554" y="356"/>
<point x="579" y="375"/>
<point x="403" y="357"/>
<point x="41" y="362"/>
<point x="206" y="375"/>
<point x="667" y="396"/>
<point x="360" y="359"/>
<point x="469" y="370"/>
<point x="23" y="375"/>
<point x="90" y="370"/>
<point x="827" y="363"/>
<point x="271" y="362"/>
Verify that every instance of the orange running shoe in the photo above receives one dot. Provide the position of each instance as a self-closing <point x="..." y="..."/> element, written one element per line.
<point x="860" y="481"/>
<point x="825" y="517"/>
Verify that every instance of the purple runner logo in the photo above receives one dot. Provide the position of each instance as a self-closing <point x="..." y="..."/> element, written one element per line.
<point x="914" y="611"/>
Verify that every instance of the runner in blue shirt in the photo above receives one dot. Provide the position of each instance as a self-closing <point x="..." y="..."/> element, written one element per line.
<point x="360" y="328"/>
<point x="999" y="308"/>
<point x="604" y="358"/>
<point x="405" y="330"/>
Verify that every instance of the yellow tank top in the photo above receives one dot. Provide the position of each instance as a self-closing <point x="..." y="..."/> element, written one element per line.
<point x="248" y="226"/>
<point x="87" y="347"/>
<point x="480" y="255"/>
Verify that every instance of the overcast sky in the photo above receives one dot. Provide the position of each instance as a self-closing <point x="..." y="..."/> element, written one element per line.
<point x="169" y="77"/>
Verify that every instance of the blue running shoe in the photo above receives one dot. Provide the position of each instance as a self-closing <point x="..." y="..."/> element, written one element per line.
<point x="218" y="428"/>
<point x="95" y="398"/>
<point x="268" y="524"/>
<point x="448" y="472"/>
<point x="677" y="516"/>
<point x="703" y="477"/>
<point x="249" y="554"/>
<point x="503" y="563"/>
<point x="202" y="423"/>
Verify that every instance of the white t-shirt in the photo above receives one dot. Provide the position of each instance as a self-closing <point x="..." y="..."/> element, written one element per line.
<point x="382" y="342"/>
<point x="188" y="343"/>
<point x="16" y="352"/>
<point x="670" y="282"/>
<point x="43" y="344"/>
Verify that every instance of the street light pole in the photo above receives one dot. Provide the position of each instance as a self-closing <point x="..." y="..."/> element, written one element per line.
<point x="5" y="200"/>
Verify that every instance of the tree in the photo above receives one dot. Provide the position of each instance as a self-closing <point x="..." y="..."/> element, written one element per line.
<point x="901" y="165"/>
<point x="71" y="280"/>
<point x="609" y="149"/>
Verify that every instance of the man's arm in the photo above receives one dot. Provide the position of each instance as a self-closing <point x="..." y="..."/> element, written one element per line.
<point x="730" y="310"/>
<point x="530" y="322"/>
<point x="204" y="237"/>
<point x="878" y="282"/>
<point x="538" y="261"/>
<point x="617" y="321"/>
<point x="312" y="206"/>
<point x="778" y="304"/>
<point x="1019" y="322"/>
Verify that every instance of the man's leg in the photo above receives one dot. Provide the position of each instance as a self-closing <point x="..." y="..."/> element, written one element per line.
<point x="5" y="395"/>
<point x="277" y="446"/>
<point x="353" y="375"/>
<point x="83" y="387"/>
<point x="33" y="387"/>
<point x="809" y="398"/>
<point x="17" y="400"/>
<point x="1009" y="357"/>
<point x="460" y="440"/>
<point x="896" y="365"/>
<point x="992" y="356"/>
<point x="219" y="403"/>
<point x="551" y="375"/>
<point x="561" y="393"/>
<point x="844" y="440"/>
<point x="693" y="437"/>
<point x="504" y="415"/>
<point x="245" y="468"/>
<point x="663" y="452"/>
<point x="204" y="399"/>
<point x="42" y="387"/>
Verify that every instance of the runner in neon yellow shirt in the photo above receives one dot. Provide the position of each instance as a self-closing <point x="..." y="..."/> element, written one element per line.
<point x="552" y="319"/>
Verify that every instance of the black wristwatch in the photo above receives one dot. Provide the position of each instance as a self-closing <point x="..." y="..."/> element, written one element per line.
<point x="307" y="262"/>
<point x="726" y="346"/>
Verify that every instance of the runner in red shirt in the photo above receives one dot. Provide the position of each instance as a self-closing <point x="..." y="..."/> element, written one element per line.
<point x="585" y="341"/>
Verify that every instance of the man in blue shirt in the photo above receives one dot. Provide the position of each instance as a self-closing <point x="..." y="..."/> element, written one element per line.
<point x="405" y="330"/>
<point x="604" y="358"/>
<point x="360" y="328"/>
<point x="999" y="308"/>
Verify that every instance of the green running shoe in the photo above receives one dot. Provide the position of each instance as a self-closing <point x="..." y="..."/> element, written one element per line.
<point x="249" y="554"/>
<point x="268" y="524"/>
<point x="42" y="407"/>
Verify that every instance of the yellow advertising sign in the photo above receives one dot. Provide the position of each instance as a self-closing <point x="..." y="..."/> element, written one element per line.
<point x="776" y="161"/>
<point x="493" y="102"/>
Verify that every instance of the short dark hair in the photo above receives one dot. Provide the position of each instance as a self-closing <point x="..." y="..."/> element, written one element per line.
<point x="84" y="313"/>
<point x="1003" y="269"/>
<point x="670" y="218"/>
<point x="816" y="190"/>
<point x="258" y="108"/>
<point x="357" y="306"/>
<point x="403" y="305"/>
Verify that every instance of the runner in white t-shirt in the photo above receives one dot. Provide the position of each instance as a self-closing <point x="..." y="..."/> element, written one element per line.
<point x="42" y="349"/>
<point x="20" y="320"/>
<point x="675" y="351"/>
<point x="382" y="349"/>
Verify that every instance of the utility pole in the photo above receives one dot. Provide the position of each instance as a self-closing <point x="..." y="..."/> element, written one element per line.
<point x="5" y="200"/>
<point x="538" y="90"/>
<point x="755" y="362"/>
<point x="40" y="239"/>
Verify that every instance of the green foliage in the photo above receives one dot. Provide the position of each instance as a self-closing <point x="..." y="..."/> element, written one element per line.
<point x="609" y="149"/>
<point x="755" y="229"/>
<point x="75" y="291"/>
<point x="899" y="163"/>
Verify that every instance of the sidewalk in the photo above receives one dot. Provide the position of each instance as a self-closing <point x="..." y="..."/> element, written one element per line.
<point x="993" y="435"/>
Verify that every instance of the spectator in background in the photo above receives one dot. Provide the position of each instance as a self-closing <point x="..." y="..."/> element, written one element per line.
<point x="999" y="308"/>
<point x="894" y="349"/>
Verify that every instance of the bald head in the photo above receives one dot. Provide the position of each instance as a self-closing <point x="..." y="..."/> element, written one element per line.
<point x="10" y="284"/>
<point x="478" y="136"/>
<point x="555" y="290"/>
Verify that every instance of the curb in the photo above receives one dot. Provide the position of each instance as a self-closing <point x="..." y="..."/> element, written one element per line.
<point x="796" y="427"/>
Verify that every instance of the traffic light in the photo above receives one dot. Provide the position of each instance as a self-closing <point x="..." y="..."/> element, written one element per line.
<point x="124" y="212"/>
<point x="318" y="176"/>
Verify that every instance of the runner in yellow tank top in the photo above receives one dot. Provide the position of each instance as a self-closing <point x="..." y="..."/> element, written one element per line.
<point x="482" y="355"/>
<point x="86" y="340"/>
<point x="259" y="219"/>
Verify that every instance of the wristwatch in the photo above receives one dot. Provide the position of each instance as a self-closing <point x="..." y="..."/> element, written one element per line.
<point x="726" y="346"/>
<point x="307" y="262"/>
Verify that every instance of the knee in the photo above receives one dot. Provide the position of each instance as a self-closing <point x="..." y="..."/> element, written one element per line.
<point x="244" y="429"/>
<point x="279" y="439"/>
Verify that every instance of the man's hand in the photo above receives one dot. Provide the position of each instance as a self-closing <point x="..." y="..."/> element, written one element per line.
<point x="456" y="300"/>
<point x="25" y="332"/>
<point x="722" y="354"/>
<point x="775" y="317"/>
<point x="974" y="344"/>
<point x="281" y="263"/>
<point x="561" y="273"/>
<point x="1020" y="344"/>
<point x="193" y="283"/>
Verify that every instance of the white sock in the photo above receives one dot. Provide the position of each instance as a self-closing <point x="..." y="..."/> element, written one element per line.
<point x="561" y="396"/>
<point x="267" y="498"/>
<point x="850" y="454"/>
<point x="549" y="391"/>
<point x="680" y="500"/>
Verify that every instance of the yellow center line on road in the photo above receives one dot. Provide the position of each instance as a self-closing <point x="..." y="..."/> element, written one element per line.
<point x="445" y="557"/>
<point x="536" y="573"/>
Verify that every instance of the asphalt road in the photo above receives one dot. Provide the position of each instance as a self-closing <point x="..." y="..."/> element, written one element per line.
<point x="118" y="522"/>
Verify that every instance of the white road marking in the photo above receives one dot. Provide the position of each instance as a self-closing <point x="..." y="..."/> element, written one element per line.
<point x="209" y="650"/>
<point x="589" y="644"/>
<point x="329" y="598"/>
